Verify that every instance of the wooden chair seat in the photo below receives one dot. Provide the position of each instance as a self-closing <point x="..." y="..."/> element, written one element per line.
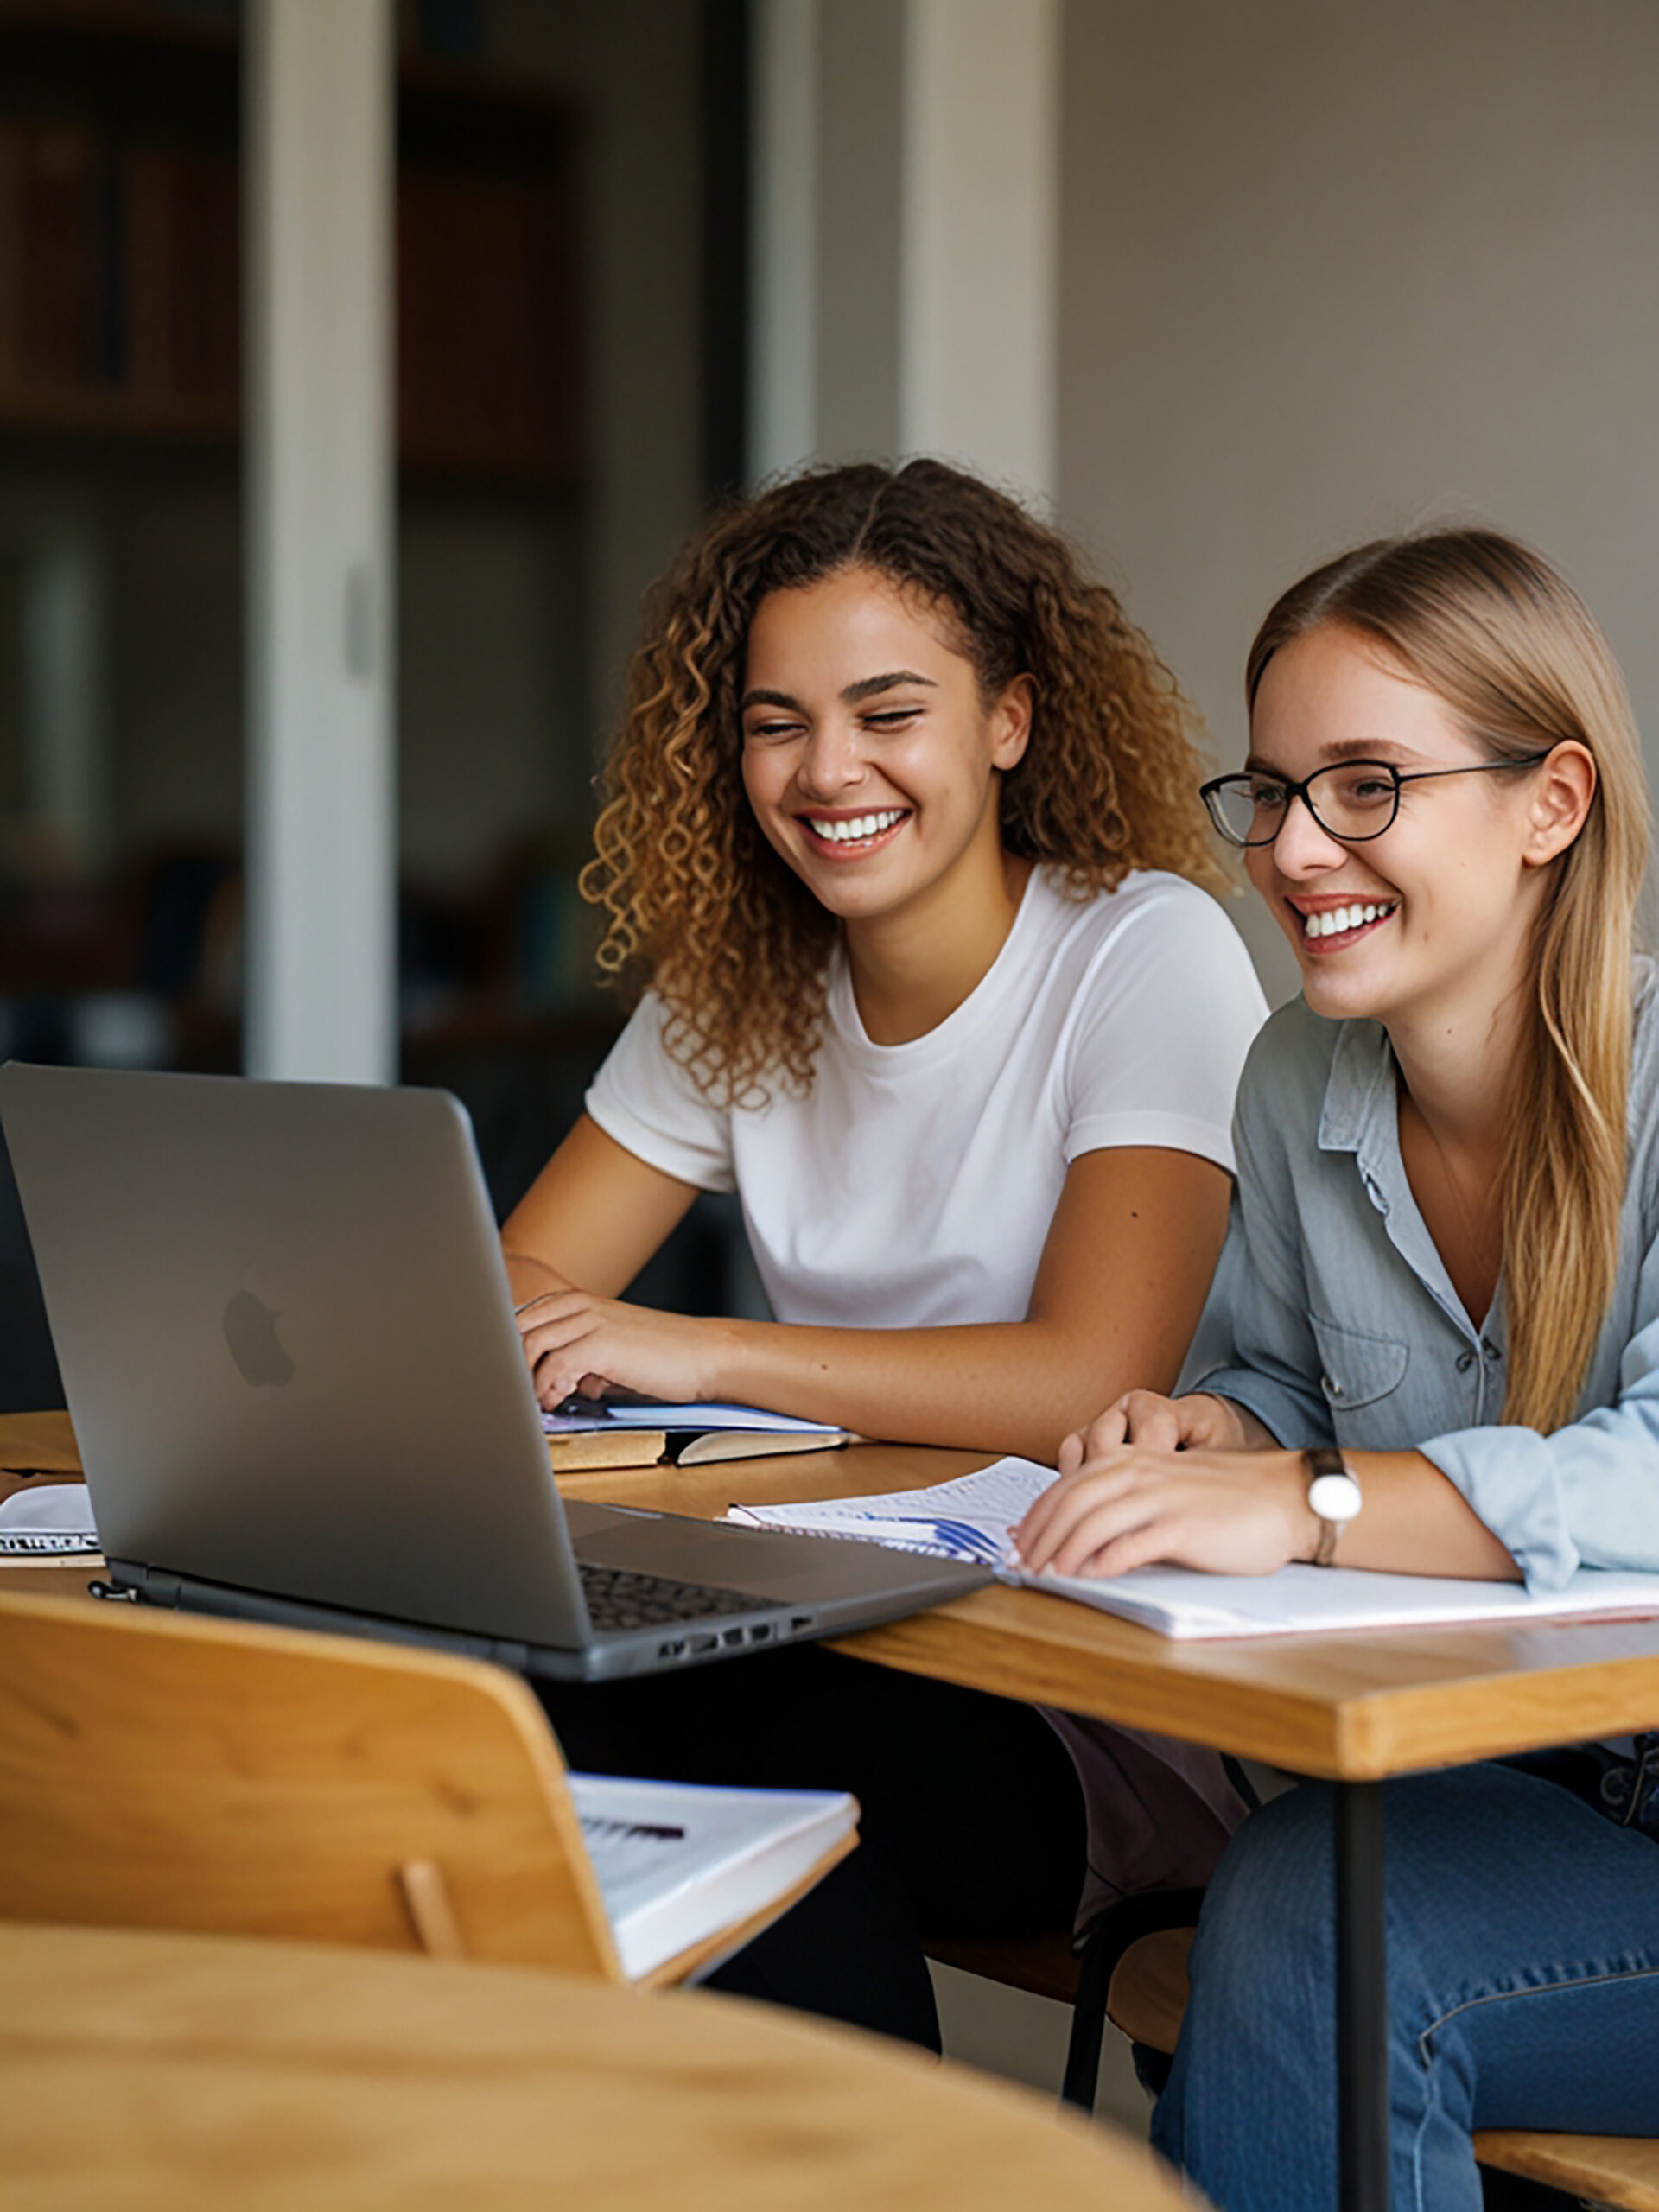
<point x="1621" y="2171"/>
<point x="1147" y="1997"/>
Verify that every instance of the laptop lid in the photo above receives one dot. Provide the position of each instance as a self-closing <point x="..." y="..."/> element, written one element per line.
<point x="278" y="1309"/>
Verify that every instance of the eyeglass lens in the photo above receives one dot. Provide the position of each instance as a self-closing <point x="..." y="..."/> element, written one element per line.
<point x="1355" y="799"/>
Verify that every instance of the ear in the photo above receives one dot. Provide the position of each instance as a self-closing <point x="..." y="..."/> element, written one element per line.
<point x="1010" y="720"/>
<point x="1560" y="800"/>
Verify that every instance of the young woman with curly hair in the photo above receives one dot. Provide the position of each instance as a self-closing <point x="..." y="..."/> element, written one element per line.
<point x="900" y="836"/>
<point x="901" y="839"/>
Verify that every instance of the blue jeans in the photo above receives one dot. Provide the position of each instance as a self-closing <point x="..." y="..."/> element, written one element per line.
<point x="1524" y="1991"/>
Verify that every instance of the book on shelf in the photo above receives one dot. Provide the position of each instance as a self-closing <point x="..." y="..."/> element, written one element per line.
<point x="680" y="1865"/>
<point x="632" y="1432"/>
<point x="970" y="1519"/>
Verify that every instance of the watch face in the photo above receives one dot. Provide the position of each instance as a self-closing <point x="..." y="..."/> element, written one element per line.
<point x="1334" y="1498"/>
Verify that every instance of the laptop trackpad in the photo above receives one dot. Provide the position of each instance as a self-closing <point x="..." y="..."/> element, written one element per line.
<point x="762" y="1563"/>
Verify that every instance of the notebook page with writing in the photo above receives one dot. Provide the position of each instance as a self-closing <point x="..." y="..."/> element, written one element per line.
<point x="966" y="1519"/>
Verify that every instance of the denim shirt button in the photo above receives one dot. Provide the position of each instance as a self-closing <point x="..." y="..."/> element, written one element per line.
<point x="1491" y="1350"/>
<point x="1465" y="1361"/>
<point x="1330" y="1385"/>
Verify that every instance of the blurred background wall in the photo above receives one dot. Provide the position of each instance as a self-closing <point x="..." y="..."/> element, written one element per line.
<point x="1330" y="269"/>
<point x="1226" y="285"/>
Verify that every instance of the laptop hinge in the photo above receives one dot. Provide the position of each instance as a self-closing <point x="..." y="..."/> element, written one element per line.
<point x="149" y="1583"/>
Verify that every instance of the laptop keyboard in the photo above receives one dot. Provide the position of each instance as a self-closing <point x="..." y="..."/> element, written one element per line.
<point x="617" y="1599"/>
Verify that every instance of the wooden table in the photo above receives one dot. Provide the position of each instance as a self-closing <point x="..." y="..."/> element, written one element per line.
<point x="1349" y="1709"/>
<point x="1353" y="1709"/>
<point x="190" y="2072"/>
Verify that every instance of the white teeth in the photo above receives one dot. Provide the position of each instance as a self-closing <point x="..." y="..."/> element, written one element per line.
<point x="859" y="826"/>
<point x="1333" y="920"/>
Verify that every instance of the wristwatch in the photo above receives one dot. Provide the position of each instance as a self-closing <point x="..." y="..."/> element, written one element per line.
<point x="1333" y="1494"/>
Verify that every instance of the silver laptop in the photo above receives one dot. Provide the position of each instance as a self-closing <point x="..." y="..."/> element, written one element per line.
<point x="288" y="1349"/>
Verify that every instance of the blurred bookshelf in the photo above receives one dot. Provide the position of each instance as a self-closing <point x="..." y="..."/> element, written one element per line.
<point x="120" y="284"/>
<point x="121" y="670"/>
<point x="120" y="366"/>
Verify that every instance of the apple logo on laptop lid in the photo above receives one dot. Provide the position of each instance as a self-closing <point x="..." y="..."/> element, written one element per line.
<point x="250" y="1332"/>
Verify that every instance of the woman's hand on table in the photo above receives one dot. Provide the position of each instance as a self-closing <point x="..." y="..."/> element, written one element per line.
<point x="575" y="1341"/>
<point x="1199" y="1422"/>
<point x="1227" y="1511"/>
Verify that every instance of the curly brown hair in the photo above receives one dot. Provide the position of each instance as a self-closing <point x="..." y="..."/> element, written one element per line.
<point x="700" y="906"/>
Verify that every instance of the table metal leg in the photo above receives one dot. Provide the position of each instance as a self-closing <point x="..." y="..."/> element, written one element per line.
<point x="1361" y="2000"/>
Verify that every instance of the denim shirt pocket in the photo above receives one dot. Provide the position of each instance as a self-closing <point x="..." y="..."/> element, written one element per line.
<point x="1360" y="1373"/>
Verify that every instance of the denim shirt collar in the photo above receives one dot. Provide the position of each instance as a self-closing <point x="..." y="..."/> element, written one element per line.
<point x="1361" y="1116"/>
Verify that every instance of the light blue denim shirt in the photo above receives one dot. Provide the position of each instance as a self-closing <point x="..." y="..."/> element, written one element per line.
<point x="1331" y="1316"/>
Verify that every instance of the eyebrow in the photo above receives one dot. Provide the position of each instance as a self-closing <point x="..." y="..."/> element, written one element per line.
<point x="865" y="688"/>
<point x="1341" y="748"/>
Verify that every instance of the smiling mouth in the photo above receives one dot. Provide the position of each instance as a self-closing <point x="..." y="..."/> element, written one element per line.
<point x="1333" y="929"/>
<point x="851" y="836"/>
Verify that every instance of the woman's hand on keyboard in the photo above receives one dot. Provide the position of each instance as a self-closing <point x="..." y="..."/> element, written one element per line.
<point x="575" y="1341"/>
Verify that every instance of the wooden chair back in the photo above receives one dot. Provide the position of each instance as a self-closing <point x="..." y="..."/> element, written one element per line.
<point x="226" y="1779"/>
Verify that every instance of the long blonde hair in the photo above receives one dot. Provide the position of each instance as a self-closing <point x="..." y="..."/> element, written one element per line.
<point x="1508" y="645"/>
<point x="698" y="904"/>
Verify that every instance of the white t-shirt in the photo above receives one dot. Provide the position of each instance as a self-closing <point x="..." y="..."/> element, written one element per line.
<point x="913" y="1185"/>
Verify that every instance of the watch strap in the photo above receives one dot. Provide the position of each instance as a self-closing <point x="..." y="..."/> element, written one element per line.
<point x="1324" y="1459"/>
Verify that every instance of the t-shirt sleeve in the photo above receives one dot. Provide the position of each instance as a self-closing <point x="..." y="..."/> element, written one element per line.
<point x="646" y="1100"/>
<point x="1167" y="1014"/>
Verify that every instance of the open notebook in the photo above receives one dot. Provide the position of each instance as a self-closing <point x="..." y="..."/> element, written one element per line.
<point x="679" y="1862"/>
<point x="970" y="1517"/>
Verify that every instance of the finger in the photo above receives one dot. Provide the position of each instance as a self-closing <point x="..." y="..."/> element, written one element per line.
<point x="1107" y="1430"/>
<point x="551" y="1336"/>
<point x="559" y="1367"/>
<point x="1072" y="1452"/>
<point x="1108" y="1526"/>
<point x="1041" y="1510"/>
<point x="1157" y="1542"/>
<point x="557" y="1379"/>
<point x="1062" y="1507"/>
<point x="1154" y="1422"/>
<point x="1047" y="1510"/>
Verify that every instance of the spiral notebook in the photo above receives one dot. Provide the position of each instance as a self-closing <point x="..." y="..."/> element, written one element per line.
<point x="969" y="1519"/>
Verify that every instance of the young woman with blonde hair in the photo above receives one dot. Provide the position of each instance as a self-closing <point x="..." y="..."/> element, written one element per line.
<point x="900" y="838"/>
<point x="1432" y="1347"/>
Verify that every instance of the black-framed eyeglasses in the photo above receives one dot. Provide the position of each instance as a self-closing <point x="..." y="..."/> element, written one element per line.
<point x="1351" y="801"/>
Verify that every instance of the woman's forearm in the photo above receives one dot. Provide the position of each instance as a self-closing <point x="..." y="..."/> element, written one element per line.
<point x="1015" y="1387"/>
<point x="1128" y="1257"/>
<point x="1416" y="1522"/>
